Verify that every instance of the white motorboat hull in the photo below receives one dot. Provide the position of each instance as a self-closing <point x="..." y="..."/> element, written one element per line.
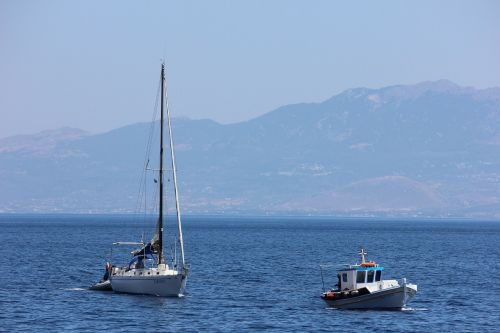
<point x="393" y="298"/>
<point x="159" y="285"/>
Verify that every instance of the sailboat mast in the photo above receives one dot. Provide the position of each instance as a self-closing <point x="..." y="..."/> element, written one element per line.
<point x="174" y="176"/>
<point x="160" y="221"/>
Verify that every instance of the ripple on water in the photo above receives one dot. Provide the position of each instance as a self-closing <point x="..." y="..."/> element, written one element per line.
<point x="268" y="280"/>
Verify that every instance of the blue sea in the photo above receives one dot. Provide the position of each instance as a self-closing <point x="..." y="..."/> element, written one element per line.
<point x="249" y="274"/>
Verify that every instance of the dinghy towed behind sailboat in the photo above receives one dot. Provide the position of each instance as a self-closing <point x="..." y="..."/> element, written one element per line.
<point x="148" y="271"/>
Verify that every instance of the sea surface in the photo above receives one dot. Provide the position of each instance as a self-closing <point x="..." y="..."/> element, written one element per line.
<point x="249" y="275"/>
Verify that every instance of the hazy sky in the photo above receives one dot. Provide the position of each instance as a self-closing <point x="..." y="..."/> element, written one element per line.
<point x="95" y="64"/>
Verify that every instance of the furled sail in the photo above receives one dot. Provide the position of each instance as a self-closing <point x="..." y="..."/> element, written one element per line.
<point x="155" y="241"/>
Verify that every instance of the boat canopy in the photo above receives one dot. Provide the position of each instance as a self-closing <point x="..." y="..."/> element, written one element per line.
<point x="360" y="268"/>
<point x="378" y="268"/>
<point x="154" y="244"/>
<point x="147" y="249"/>
<point x="139" y="258"/>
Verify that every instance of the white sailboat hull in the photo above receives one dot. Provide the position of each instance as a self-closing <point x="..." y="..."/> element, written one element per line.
<point x="159" y="285"/>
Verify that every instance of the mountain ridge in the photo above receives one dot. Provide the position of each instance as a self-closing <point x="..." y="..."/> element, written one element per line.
<point x="426" y="149"/>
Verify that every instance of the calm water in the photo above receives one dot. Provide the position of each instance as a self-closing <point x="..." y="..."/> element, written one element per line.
<point x="249" y="274"/>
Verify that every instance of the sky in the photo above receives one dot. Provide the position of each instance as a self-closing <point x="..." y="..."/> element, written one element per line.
<point x="95" y="65"/>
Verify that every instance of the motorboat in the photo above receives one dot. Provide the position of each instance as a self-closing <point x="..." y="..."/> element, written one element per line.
<point x="360" y="286"/>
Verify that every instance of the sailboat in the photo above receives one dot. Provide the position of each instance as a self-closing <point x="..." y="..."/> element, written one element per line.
<point x="149" y="272"/>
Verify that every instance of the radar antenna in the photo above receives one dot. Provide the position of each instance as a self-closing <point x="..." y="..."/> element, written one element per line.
<point x="362" y="254"/>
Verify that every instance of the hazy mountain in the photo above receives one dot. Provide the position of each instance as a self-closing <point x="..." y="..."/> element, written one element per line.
<point x="40" y="143"/>
<point x="428" y="149"/>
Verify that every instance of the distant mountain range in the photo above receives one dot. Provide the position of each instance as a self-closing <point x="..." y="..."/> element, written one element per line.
<point x="430" y="149"/>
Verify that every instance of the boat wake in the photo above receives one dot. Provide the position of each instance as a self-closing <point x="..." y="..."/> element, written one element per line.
<point x="74" y="289"/>
<point x="408" y="309"/>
